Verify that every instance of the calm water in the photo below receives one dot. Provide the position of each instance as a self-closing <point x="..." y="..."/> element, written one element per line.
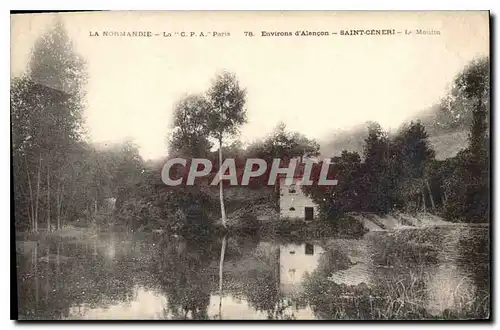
<point x="443" y="272"/>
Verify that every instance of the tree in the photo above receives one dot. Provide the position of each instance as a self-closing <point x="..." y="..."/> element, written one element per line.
<point x="411" y="153"/>
<point x="474" y="84"/>
<point x="126" y="170"/>
<point x="225" y="116"/>
<point x="468" y="187"/>
<point x="190" y="134"/>
<point x="335" y="201"/>
<point x="284" y="144"/>
<point x="46" y="110"/>
<point x="376" y="170"/>
<point x="468" y="94"/>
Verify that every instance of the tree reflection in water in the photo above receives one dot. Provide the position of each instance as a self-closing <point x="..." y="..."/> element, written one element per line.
<point x="53" y="286"/>
<point x="182" y="270"/>
<point x="402" y="279"/>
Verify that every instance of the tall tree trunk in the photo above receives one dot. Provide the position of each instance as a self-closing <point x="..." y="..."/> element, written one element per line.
<point x="277" y="269"/>
<point x="48" y="198"/>
<point x="430" y="195"/>
<point x="221" y="192"/>
<point x="47" y="283"/>
<point x="58" y="205"/>
<point x="36" y="273"/>
<point x="443" y="199"/>
<point x="32" y="213"/>
<point x="37" y="192"/>
<point x="58" y="269"/>
<point x="221" y="268"/>
<point x="68" y="205"/>
<point x="95" y="203"/>
<point x="423" y="200"/>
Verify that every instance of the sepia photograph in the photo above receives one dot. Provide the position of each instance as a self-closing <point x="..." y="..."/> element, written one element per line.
<point x="251" y="165"/>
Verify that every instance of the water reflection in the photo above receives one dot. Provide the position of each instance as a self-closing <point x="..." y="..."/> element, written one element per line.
<point x="409" y="274"/>
<point x="295" y="261"/>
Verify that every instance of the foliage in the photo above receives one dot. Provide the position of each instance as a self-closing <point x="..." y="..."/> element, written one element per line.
<point x="191" y="134"/>
<point x="377" y="170"/>
<point x="468" y="187"/>
<point x="284" y="145"/>
<point x="226" y="106"/>
<point x="47" y="127"/>
<point x="400" y="172"/>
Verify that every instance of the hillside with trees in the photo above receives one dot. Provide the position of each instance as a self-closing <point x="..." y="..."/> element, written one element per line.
<point x="400" y="172"/>
<point x="447" y="123"/>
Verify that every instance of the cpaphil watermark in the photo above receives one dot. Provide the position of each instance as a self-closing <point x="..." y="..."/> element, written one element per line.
<point x="253" y="168"/>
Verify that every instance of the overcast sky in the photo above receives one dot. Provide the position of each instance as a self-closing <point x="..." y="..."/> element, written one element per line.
<point x="315" y="85"/>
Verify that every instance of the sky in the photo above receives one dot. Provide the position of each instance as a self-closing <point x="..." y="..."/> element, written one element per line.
<point x="315" y="85"/>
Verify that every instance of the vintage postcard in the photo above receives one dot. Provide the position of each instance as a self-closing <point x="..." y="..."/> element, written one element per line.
<point x="251" y="165"/>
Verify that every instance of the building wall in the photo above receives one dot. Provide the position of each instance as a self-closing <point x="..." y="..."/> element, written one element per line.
<point x="291" y="196"/>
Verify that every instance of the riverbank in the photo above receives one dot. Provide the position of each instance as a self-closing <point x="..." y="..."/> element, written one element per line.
<point x="352" y="225"/>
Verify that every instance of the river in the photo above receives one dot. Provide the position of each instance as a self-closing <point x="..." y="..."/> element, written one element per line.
<point x="439" y="272"/>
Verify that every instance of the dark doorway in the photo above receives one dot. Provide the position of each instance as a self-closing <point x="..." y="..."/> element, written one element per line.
<point x="309" y="211"/>
<point x="309" y="249"/>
